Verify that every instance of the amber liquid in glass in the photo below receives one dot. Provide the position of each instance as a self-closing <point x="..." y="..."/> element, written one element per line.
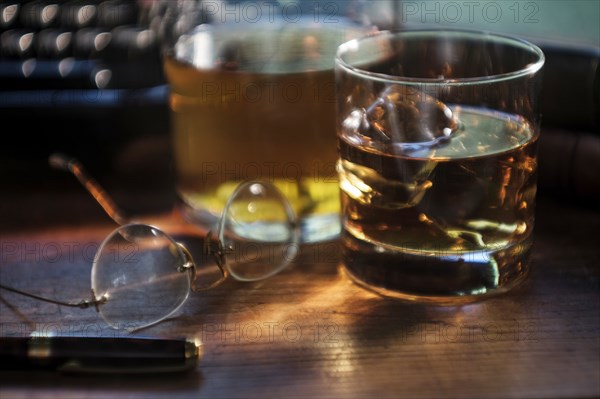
<point x="448" y="223"/>
<point x="264" y="108"/>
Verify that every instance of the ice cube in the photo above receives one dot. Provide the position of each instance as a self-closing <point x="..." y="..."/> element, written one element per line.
<point x="368" y="187"/>
<point x="409" y="119"/>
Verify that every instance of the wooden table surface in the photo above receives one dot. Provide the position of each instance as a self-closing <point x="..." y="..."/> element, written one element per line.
<point x="308" y="332"/>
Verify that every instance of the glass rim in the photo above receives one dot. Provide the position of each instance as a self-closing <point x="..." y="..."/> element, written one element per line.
<point x="525" y="45"/>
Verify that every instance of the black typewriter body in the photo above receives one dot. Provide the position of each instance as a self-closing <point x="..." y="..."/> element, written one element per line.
<point x="81" y="77"/>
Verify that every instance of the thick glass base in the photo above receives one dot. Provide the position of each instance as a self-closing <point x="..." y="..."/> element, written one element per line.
<point x="433" y="277"/>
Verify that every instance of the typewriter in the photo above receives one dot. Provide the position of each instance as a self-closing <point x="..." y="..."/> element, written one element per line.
<point x="78" y="76"/>
<point x="85" y="77"/>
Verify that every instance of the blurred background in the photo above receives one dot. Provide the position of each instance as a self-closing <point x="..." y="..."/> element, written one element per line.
<point x="85" y="78"/>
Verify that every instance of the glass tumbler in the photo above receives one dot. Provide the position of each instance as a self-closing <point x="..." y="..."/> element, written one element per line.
<point x="252" y="97"/>
<point x="437" y="134"/>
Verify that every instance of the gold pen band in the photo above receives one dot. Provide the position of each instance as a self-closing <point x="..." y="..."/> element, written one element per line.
<point x="39" y="348"/>
<point x="193" y="352"/>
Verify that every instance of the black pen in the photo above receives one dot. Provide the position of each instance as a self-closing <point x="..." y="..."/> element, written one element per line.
<point x="98" y="355"/>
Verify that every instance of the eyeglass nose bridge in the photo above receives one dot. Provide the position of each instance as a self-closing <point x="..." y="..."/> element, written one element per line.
<point x="212" y="248"/>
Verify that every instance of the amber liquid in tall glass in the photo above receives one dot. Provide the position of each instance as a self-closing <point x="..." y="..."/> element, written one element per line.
<point x="262" y="108"/>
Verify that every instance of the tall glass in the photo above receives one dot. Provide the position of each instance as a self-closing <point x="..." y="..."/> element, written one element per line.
<point x="437" y="162"/>
<point x="253" y="97"/>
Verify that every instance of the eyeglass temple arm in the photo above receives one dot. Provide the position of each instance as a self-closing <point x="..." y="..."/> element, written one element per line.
<point x="83" y="304"/>
<point x="60" y="161"/>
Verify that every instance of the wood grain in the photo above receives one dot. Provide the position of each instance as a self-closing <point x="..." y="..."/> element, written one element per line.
<point x="309" y="332"/>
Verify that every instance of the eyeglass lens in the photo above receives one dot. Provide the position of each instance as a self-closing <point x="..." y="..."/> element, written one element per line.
<point x="140" y="270"/>
<point x="258" y="231"/>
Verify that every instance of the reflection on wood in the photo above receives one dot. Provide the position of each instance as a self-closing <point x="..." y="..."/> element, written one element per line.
<point x="309" y="332"/>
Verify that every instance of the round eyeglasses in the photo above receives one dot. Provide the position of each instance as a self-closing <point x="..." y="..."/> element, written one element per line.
<point x="141" y="275"/>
